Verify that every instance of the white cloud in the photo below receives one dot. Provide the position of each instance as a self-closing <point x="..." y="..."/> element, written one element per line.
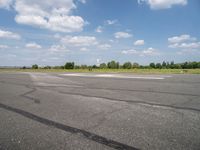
<point x="150" y="52"/>
<point x="33" y="45"/>
<point x="83" y="49"/>
<point x="82" y="1"/>
<point x="79" y="40"/>
<point x="130" y="51"/>
<point x="181" y="38"/>
<point x="122" y="35"/>
<point x="99" y="29"/>
<point x="104" y="46"/>
<point x="5" y="3"/>
<point x="139" y="42"/>
<point x="9" y="35"/>
<point x="146" y="52"/>
<point x="3" y="47"/>
<point x="58" y="48"/>
<point x="163" y="4"/>
<point x="111" y="22"/>
<point x="184" y="42"/>
<point x="52" y="15"/>
<point x="192" y="45"/>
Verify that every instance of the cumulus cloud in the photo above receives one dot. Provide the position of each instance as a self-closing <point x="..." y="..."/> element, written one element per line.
<point x="111" y="22"/>
<point x="162" y="4"/>
<point x="51" y="14"/>
<point x="5" y="3"/>
<point x="3" y="47"/>
<point x="184" y="41"/>
<point x="33" y="45"/>
<point x="79" y="40"/>
<point x="9" y="35"/>
<point x="146" y="52"/>
<point x="104" y="46"/>
<point x="192" y="45"/>
<point x="99" y="29"/>
<point x="83" y="49"/>
<point x="122" y="35"/>
<point x="82" y="1"/>
<point x="58" y="48"/>
<point x="139" y="42"/>
<point x="181" y="38"/>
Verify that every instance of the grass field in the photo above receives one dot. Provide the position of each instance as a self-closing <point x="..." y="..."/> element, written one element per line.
<point x="137" y="71"/>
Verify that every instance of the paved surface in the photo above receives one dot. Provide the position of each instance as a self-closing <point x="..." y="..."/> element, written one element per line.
<point x="107" y="111"/>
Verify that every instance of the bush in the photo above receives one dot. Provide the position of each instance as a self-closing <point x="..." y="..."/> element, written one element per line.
<point x="127" y="65"/>
<point x="69" y="65"/>
<point x="152" y="65"/>
<point x="113" y="65"/>
<point x="103" y="66"/>
<point x="135" y="65"/>
<point x="35" y="66"/>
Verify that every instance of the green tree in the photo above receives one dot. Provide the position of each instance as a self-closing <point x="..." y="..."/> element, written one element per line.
<point x="113" y="65"/>
<point x="171" y="65"/>
<point x="103" y="66"/>
<point x="158" y="66"/>
<point x="35" y="66"/>
<point x="164" y="64"/>
<point x="69" y="65"/>
<point x="84" y="67"/>
<point x="152" y="65"/>
<point x="127" y="65"/>
<point x="47" y="67"/>
<point x="135" y="65"/>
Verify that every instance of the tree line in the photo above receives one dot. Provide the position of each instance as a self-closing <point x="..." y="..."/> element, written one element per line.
<point x="127" y="65"/>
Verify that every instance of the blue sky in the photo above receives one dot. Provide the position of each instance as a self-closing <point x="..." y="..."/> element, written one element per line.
<point x="95" y="31"/>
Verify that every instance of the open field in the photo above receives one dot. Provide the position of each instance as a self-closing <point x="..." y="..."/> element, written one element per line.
<point x="137" y="71"/>
<point x="99" y="111"/>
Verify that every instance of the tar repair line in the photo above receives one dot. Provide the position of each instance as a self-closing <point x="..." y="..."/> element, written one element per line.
<point x="84" y="133"/>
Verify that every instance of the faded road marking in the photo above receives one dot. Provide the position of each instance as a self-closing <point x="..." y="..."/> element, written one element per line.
<point x="115" y="76"/>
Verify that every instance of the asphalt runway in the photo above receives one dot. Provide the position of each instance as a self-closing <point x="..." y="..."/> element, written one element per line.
<point x="86" y="111"/>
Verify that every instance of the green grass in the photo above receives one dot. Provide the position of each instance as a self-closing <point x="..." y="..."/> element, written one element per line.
<point x="137" y="71"/>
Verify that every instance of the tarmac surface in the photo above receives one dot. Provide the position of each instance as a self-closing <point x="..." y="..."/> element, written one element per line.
<point x="86" y="111"/>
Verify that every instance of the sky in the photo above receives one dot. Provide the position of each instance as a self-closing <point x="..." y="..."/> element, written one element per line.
<point x="52" y="32"/>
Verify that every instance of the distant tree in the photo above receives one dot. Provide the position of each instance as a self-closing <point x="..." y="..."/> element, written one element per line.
<point x="164" y="64"/>
<point x="158" y="66"/>
<point x="127" y="65"/>
<point x="77" y="67"/>
<point x="177" y="66"/>
<point x="194" y="64"/>
<point x="35" y="66"/>
<point x="47" y="67"/>
<point x="171" y="66"/>
<point x="198" y="66"/>
<point x="167" y="65"/>
<point x="113" y="65"/>
<point x="103" y="66"/>
<point x="83" y="66"/>
<point x="135" y="65"/>
<point x="69" y="65"/>
<point x="152" y="65"/>
<point x="94" y="67"/>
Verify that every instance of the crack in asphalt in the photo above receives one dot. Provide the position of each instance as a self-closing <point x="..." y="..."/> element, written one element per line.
<point x="141" y="91"/>
<point x="33" y="89"/>
<point x="130" y="101"/>
<point x="88" y="135"/>
<point x="112" y="89"/>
